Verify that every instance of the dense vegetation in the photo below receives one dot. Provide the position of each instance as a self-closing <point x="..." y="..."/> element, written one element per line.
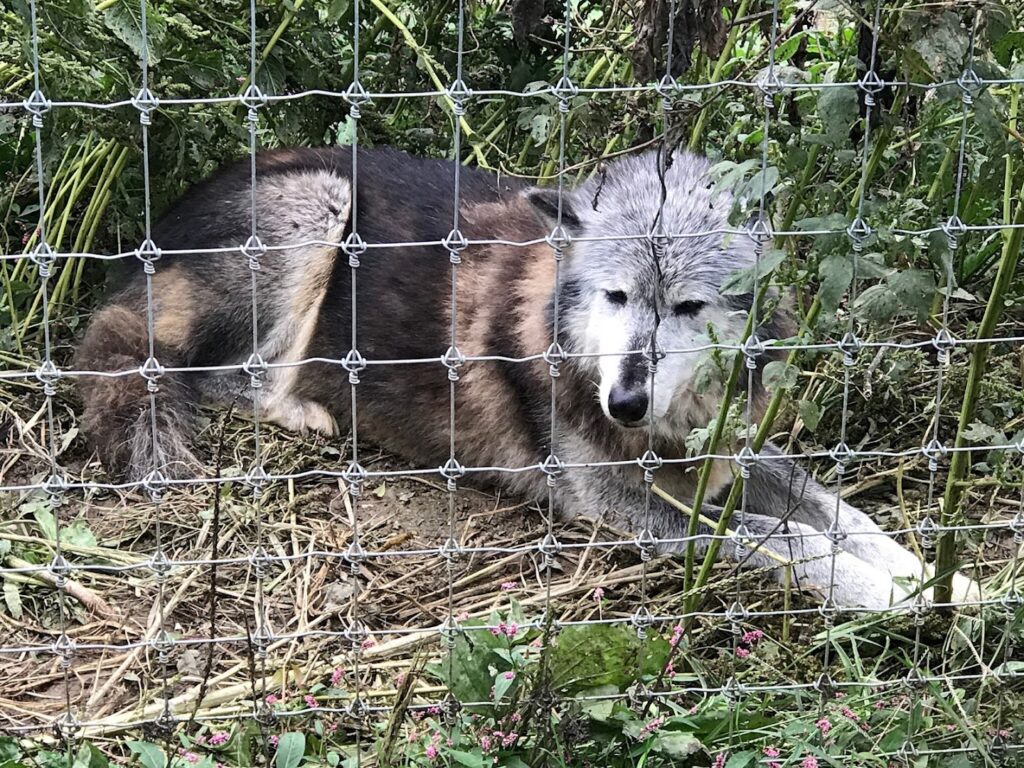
<point x="819" y="176"/>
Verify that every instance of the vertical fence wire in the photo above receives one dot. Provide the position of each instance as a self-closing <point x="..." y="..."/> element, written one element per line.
<point x="47" y="374"/>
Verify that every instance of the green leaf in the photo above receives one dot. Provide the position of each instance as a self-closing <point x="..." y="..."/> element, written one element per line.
<point x="600" y="710"/>
<point x="779" y="374"/>
<point x="677" y="744"/>
<point x="838" y="109"/>
<point x="149" y="754"/>
<point x="90" y="757"/>
<point x="468" y="671"/>
<point x="78" y="533"/>
<point x="740" y="759"/>
<point x="474" y="759"/>
<point x="938" y="44"/>
<point x="125" y="21"/>
<point x="835" y="273"/>
<point x="877" y="302"/>
<point x="12" y="599"/>
<point x="290" y="749"/>
<point x="603" y="654"/>
<point x="810" y="414"/>
<point x="46" y="521"/>
<point x="914" y="290"/>
<point x="742" y="280"/>
<point x="501" y="685"/>
<point x="978" y="432"/>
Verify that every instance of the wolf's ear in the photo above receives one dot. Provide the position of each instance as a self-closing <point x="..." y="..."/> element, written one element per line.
<point x="545" y="203"/>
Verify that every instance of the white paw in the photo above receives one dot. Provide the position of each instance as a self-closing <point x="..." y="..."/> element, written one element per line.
<point x="301" y="416"/>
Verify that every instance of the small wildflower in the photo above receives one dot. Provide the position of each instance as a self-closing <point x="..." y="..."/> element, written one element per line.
<point x="809" y="762"/>
<point x="720" y="760"/>
<point x="485" y="743"/>
<point x="677" y="635"/>
<point x="839" y="695"/>
<point x="271" y="699"/>
<point x="435" y="737"/>
<point x="599" y="594"/>
<point x="510" y="675"/>
<point x="273" y="740"/>
<point x="462" y="616"/>
<point x="311" y="701"/>
<point x="412" y="736"/>
<point x="218" y="738"/>
<point x="511" y="630"/>
<point x="850" y="714"/>
<point x="771" y="751"/>
<point x="515" y="717"/>
<point x="191" y="757"/>
<point x="509" y="586"/>
<point x="670" y="668"/>
<point x="510" y="738"/>
<point x="434" y="710"/>
<point x="824" y="725"/>
<point x="742" y="652"/>
<point x="879" y="704"/>
<point x="652" y="726"/>
<point x="431" y="752"/>
<point x="337" y="676"/>
<point x="369" y="643"/>
<point x="752" y="637"/>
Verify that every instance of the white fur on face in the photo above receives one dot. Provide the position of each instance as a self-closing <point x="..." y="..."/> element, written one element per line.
<point x="609" y="331"/>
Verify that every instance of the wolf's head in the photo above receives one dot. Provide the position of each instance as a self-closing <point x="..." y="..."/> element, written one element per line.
<point x="618" y="284"/>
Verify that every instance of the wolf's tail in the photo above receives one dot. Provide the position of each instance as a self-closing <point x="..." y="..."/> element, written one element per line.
<point x="119" y="416"/>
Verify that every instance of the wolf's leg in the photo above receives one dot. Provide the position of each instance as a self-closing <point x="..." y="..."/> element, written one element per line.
<point x="781" y="488"/>
<point x="619" y="497"/>
<point x="276" y="405"/>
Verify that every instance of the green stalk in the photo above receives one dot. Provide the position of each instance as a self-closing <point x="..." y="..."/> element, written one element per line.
<point x="945" y="557"/>
<point x="716" y="75"/>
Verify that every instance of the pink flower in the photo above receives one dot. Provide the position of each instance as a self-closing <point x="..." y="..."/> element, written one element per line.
<point x="218" y="738"/>
<point x="670" y="668"/>
<point x="720" y="760"/>
<point x="850" y="714"/>
<point x="337" y="676"/>
<point x="743" y="652"/>
<point x="273" y="740"/>
<point x="191" y="757"/>
<point x="515" y="717"/>
<point x="510" y="738"/>
<point x="311" y="701"/>
<point x="368" y="643"/>
<point x="485" y="743"/>
<point x="677" y="635"/>
<point x="652" y="726"/>
<point x="510" y="675"/>
<point x="431" y="752"/>
<point x="809" y="762"/>
<point x="462" y="616"/>
<point x="824" y="725"/>
<point x="511" y="630"/>
<point x="509" y="586"/>
<point x="599" y="594"/>
<point x="752" y="637"/>
<point x="271" y="699"/>
<point x="771" y="751"/>
<point x="434" y="710"/>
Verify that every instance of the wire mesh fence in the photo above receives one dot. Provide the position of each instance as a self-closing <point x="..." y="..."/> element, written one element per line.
<point x="176" y="690"/>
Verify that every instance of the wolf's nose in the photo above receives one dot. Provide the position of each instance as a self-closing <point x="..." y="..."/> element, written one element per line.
<point x="627" y="406"/>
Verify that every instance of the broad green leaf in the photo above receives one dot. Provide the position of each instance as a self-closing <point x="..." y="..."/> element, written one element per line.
<point x="474" y="759"/>
<point x="89" y="757"/>
<point x="914" y="290"/>
<point x="46" y="521"/>
<point x="810" y="413"/>
<point x="603" y="654"/>
<point x="978" y="432"/>
<point x="677" y="744"/>
<point x="12" y="599"/>
<point x="838" y="109"/>
<point x="501" y="685"/>
<point x="149" y="754"/>
<point x="290" y="749"/>
<point x="742" y="280"/>
<point x="779" y="374"/>
<point x="835" y="274"/>
<point x="600" y="710"/>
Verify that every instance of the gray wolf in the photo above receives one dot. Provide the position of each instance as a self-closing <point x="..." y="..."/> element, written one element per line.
<point x="612" y="294"/>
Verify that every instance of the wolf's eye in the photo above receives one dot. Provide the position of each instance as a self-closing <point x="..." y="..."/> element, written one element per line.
<point x="687" y="308"/>
<point x="618" y="298"/>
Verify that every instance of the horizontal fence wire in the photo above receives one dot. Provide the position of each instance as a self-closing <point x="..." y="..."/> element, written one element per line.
<point x="359" y="641"/>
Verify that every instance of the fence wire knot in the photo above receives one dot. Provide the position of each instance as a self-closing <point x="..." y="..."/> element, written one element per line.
<point x="859" y="233"/>
<point x="354" y="555"/>
<point x="829" y="609"/>
<point x="455" y="242"/>
<point x="152" y="371"/>
<point x="752" y="349"/>
<point x="642" y="620"/>
<point x="253" y="249"/>
<point x="769" y="84"/>
<point x="953" y="228"/>
<point x="458" y="93"/>
<point x="746" y="458"/>
<point x="354" y="476"/>
<point x="759" y="228"/>
<point x="450" y="708"/>
<point x="736" y="614"/>
<point x="450" y="551"/>
<point x="668" y="88"/>
<point x="252" y="100"/>
<point x="646" y="543"/>
<point x="850" y="346"/>
<point x="37" y="105"/>
<point x="66" y="728"/>
<point x="564" y="90"/>
<point x="553" y="468"/>
<point x="559" y="239"/>
<point x="155" y="484"/>
<point x="944" y="343"/>
<point x="1017" y="527"/>
<point x="452" y="472"/>
<point x="927" y="532"/>
<point x="841" y="455"/>
<point x="48" y="375"/>
<point x="148" y="254"/>
<point x="872" y="85"/>
<point x="824" y="684"/>
<point x="44" y="258"/>
<point x="554" y="356"/>
<point x="738" y="538"/>
<point x="934" y="451"/>
<point x="262" y="638"/>
<point x="549" y="547"/>
<point x="60" y="569"/>
<point x="160" y="565"/>
<point x="64" y="647"/>
<point x="639" y="695"/>
<point x="453" y="359"/>
<point x="256" y="367"/>
<point x="356" y="633"/>
<point x="145" y="102"/>
<point x="919" y="607"/>
<point x="354" y="247"/>
<point x="970" y="84"/>
<point x="650" y="462"/>
<point x="354" y="363"/>
<point x="836" y="534"/>
<point x="357" y="97"/>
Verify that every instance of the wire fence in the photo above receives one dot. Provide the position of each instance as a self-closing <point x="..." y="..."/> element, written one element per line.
<point x="355" y="639"/>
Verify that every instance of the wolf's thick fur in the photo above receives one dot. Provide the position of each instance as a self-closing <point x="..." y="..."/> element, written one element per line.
<point x="506" y="299"/>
